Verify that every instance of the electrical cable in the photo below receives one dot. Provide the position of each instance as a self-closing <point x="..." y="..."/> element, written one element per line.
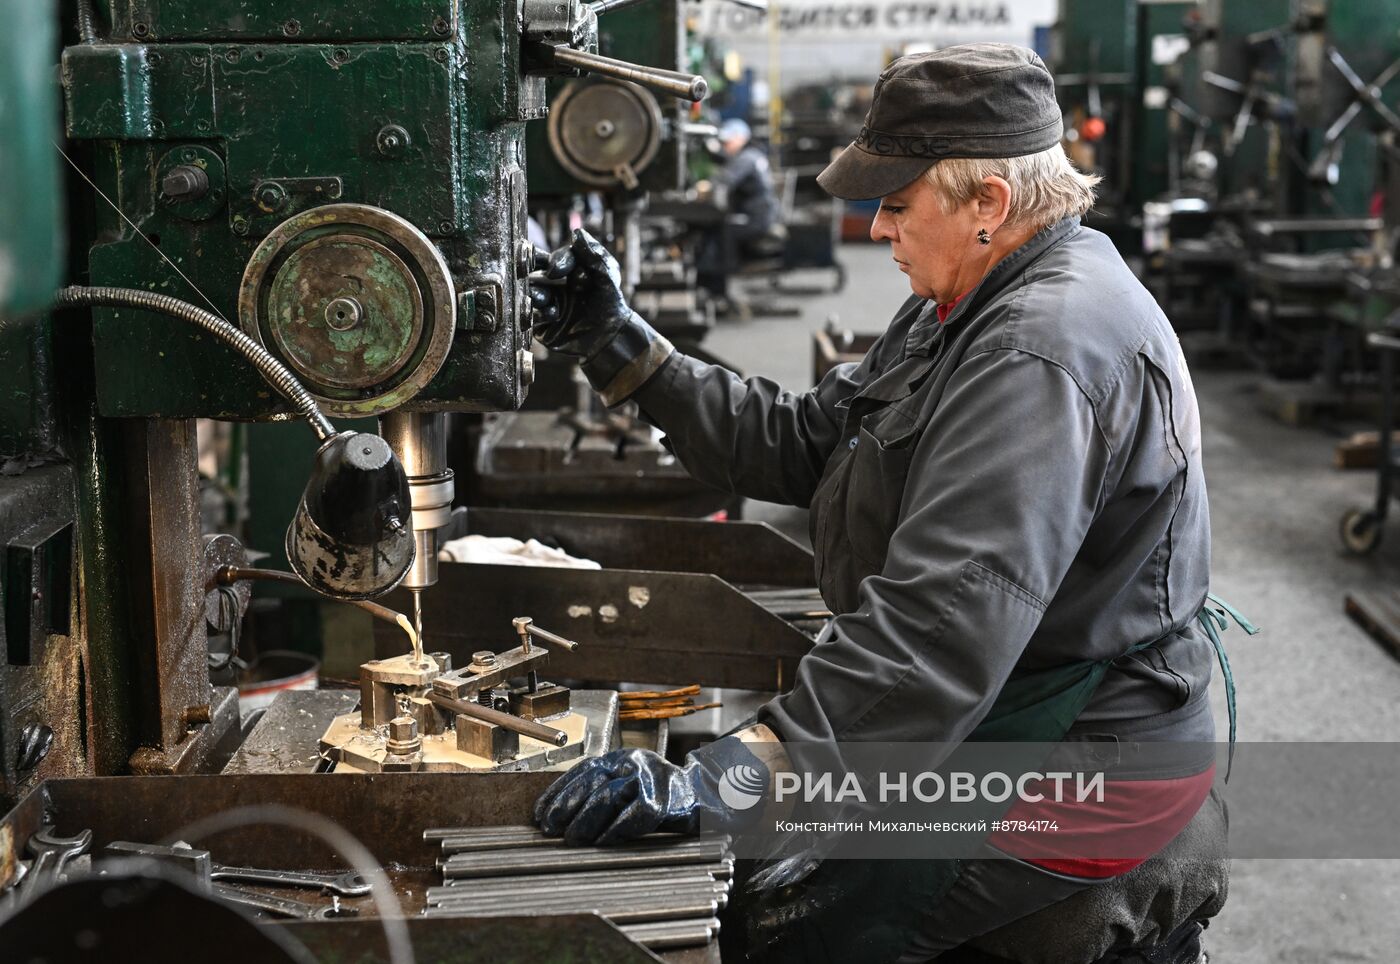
<point x="277" y="374"/>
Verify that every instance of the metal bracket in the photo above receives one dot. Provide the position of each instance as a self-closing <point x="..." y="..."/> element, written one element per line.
<point x="272" y="195"/>
<point x="38" y="587"/>
<point x="479" y="308"/>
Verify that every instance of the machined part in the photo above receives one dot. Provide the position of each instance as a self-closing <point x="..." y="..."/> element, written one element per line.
<point x="383" y="683"/>
<point x="276" y="373"/>
<point x="542" y="702"/>
<point x="626" y="908"/>
<point x="490" y="740"/>
<point x="403" y="737"/>
<point x="598" y="128"/>
<point x="503" y="863"/>
<point x="705" y="889"/>
<point x="686" y="874"/>
<point x="354" y="298"/>
<point x="672" y="934"/>
<point x="720" y="870"/>
<point x="471" y="839"/>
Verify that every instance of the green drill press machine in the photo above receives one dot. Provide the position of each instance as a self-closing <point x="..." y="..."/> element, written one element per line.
<point x="270" y="211"/>
<point x="347" y="189"/>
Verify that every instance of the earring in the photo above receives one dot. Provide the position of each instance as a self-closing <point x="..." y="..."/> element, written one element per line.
<point x="983" y="237"/>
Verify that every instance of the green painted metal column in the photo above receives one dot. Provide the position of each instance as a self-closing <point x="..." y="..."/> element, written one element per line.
<point x="31" y="238"/>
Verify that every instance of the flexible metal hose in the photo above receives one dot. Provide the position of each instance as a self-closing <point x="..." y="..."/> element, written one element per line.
<point x="269" y="367"/>
<point x="87" y="22"/>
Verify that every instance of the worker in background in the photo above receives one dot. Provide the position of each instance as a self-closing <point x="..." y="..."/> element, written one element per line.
<point x="753" y="227"/>
<point x="1009" y="521"/>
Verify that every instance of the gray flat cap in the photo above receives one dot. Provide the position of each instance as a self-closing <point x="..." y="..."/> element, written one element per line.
<point x="972" y="100"/>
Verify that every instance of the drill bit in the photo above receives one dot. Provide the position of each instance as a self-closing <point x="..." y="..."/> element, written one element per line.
<point x="418" y="626"/>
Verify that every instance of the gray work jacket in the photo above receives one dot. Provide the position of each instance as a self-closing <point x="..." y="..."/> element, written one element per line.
<point x="1020" y="485"/>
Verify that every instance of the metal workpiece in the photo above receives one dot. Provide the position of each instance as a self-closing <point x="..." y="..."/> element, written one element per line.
<point x="383" y="682"/>
<point x="466" y="845"/>
<point x="637" y="890"/>
<point x="196" y="862"/>
<point x="625" y="909"/>
<point x="502" y="863"/>
<point x="464" y="839"/>
<point x="276" y="373"/>
<point x="492" y="741"/>
<point x="403" y="740"/>
<point x="528" y="885"/>
<point x="673" y="934"/>
<point x="720" y="872"/>
<point x="515" y="830"/>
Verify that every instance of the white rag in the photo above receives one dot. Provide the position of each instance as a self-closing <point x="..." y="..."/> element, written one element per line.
<point x="505" y="551"/>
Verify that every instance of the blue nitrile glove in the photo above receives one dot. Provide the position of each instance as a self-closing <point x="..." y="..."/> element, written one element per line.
<point x="626" y="794"/>
<point x="580" y="311"/>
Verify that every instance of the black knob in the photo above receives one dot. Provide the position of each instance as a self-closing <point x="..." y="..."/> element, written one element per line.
<point x="185" y="182"/>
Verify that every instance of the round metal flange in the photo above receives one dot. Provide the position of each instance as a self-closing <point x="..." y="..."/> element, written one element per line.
<point x="598" y="126"/>
<point x="355" y="300"/>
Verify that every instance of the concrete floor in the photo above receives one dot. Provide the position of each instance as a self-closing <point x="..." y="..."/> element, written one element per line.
<point x="1312" y="675"/>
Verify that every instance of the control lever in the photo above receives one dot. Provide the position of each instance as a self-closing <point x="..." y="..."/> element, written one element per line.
<point x="690" y="87"/>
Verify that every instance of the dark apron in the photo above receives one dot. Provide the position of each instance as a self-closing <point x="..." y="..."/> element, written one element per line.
<point x="867" y="910"/>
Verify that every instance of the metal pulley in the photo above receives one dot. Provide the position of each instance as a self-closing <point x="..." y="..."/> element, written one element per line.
<point x="605" y="132"/>
<point x="355" y="300"/>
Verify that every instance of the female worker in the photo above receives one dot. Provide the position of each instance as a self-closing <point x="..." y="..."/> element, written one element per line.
<point x="1008" y="511"/>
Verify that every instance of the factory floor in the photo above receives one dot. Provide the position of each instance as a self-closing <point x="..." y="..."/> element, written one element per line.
<point x="1312" y="675"/>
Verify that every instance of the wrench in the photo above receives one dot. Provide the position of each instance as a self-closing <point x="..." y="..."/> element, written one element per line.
<point x="283" y="905"/>
<point x="349" y="884"/>
<point x="51" y="853"/>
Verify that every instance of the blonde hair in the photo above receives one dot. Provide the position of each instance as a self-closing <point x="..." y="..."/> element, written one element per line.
<point x="1045" y="187"/>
